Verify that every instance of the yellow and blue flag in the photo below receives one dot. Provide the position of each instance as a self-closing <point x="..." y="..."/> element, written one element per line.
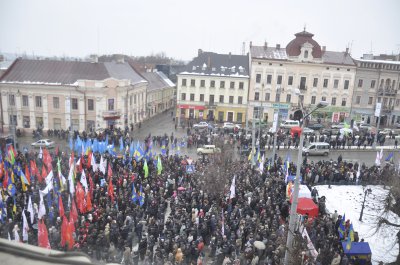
<point x="141" y="197"/>
<point x="146" y="169"/>
<point x="342" y="228"/>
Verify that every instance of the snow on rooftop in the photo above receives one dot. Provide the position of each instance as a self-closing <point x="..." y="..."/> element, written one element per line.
<point x="348" y="200"/>
<point x="379" y="61"/>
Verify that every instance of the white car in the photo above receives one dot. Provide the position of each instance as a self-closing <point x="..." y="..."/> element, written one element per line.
<point x="201" y="125"/>
<point x="288" y="124"/>
<point x="43" y="143"/>
<point x="231" y="126"/>
<point x="208" y="149"/>
<point x="307" y="130"/>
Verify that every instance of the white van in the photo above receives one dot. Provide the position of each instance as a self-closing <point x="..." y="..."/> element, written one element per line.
<point x="290" y="124"/>
<point x="317" y="148"/>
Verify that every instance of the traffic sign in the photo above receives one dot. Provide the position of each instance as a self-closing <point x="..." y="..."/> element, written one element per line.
<point x="190" y="169"/>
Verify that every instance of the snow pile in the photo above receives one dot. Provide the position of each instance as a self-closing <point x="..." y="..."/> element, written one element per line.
<point x="348" y="200"/>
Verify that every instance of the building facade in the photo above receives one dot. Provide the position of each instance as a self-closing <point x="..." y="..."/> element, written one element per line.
<point x="377" y="81"/>
<point x="51" y="94"/>
<point x="214" y="87"/>
<point x="305" y="71"/>
<point x="160" y="93"/>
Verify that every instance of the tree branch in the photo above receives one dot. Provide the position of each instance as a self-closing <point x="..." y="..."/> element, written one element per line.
<point x="385" y="221"/>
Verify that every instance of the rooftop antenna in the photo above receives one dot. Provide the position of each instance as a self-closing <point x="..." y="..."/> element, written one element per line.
<point x="305" y="25"/>
<point x="244" y="48"/>
<point x="351" y="46"/>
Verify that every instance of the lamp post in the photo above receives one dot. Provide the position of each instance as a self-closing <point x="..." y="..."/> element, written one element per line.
<point x="295" y="194"/>
<point x="366" y="192"/>
<point x="275" y="129"/>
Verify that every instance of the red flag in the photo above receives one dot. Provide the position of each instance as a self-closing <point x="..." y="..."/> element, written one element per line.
<point x="89" y="163"/>
<point x="60" y="206"/>
<point x="109" y="171"/>
<point x="5" y="179"/>
<point x="44" y="174"/>
<point x="56" y="151"/>
<point x="1" y="169"/>
<point x="73" y="214"/>
<point x="67" y="228"/>
<point x="80" y="166"/>
<point x="43" y="238"/>
<point x="90" y="183"/>
<point x="71" y="221"/>
<point x="34" y="170"/>
<point x="80" y="197"/>
<point x="71" y="159"/>
<point x="88" y="202"/>
<point x="64" y="228"/>
<point x="47" y="159"/>
<point x="111" y="190"/>
<point x="27" y="174"/>
<point x="70" y="237"/>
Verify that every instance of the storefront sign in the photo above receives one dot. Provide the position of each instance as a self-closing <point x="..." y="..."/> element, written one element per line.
<point x="191" y="107"/>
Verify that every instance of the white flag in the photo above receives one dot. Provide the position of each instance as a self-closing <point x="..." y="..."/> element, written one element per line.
<point x="103" y="164"/>
<point x="49" y="177"/>
<point x="42" y="209"/>
<point x="84" y="180"/>
<point x="25" y="227"/>
<point x="9" y="237"/>
<point x="30" y="209"/>
<point x="16" y="235"/>
<point x="378" y="159"/>
<point x="233" y="187"/>
<point x="48" y="188"/>
<point x="93" y="161"/>
<point x="261" y="166"/>
<point x="41" y="153"/>
<point x="71" y="181"/>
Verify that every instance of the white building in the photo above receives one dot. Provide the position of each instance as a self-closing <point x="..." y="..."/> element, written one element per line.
<point x="320" y="75"/>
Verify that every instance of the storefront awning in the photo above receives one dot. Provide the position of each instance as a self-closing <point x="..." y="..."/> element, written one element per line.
<point x="191" y="107"/>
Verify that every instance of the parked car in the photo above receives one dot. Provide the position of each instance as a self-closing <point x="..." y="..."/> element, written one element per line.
<point x="43" y="143"/>
<point x="289" y="124"/>
<point x="386" y="131"/>
<point x="208" y="149"/>
<point x="307" y="130"/>
<point x="339" y="125"/>
<point x="317" y="148"/>
<point x="201" y="125"/>
<point x="316" y="126"/>
<point x="229" y="126"/>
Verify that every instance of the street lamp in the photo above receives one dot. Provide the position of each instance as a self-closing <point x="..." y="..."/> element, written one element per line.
<point x="366" y="192"/>
<point x="295" y="194"/>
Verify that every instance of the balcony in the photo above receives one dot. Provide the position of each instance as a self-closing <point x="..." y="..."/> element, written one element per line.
<point x="112" y="114"/>
<point x="387" y="92"/>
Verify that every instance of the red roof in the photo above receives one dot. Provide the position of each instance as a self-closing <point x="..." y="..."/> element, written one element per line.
<point x="293" y="48"/>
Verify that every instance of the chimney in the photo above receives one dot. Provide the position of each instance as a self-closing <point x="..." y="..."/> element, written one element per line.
<point x="347" y="50"/>
<point x="199" y="52"/>
<point x="323" y="48"/>
<point x="119" y="58"/>
<point x="278" y="46"/>
<point x="265" y="45"/>
<point x="230" y="55"/>
<point x="209" y="62"/>
<point x="251" y="44"/>
<point x="94" y="58"/>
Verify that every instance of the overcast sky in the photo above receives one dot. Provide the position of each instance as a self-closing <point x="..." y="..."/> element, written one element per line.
<point x="180" y="27"/>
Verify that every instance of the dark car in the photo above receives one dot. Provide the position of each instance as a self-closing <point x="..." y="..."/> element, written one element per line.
<point x="316" y="126"/>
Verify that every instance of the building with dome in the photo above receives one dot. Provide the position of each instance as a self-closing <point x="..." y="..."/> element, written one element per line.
<point x="278" y="74"/>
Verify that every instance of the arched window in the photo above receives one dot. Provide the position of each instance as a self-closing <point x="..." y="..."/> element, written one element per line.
<point x="305" y="54"/>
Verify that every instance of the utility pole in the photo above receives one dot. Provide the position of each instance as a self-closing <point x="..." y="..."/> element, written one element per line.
<point x="253" y="143"/>
<point x="275" y="125"/>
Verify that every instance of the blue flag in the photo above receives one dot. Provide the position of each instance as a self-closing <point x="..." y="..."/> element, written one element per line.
<point x="121" y="144"/>
<point x="342" y="228"/>
<point x="134" y="194"/>
<point x="141" y="197"/>
<point x="389" y="157"/>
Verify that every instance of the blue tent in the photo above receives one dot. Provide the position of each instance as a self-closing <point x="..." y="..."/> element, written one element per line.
<point x="359" y="251"/>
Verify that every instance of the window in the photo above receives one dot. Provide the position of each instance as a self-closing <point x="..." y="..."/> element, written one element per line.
<point x="360" y="82"/>
<point x="313" y="99"/>
<point x="333" y="102"/>
<point x="75" y="104"/>
<point x="305" y="54"/>
<point x="11" y="100"/>
<point x="258" y="78"/>
<point x="269" y="79"/>
<point x="370" y="99"/>
<point x="373" y="82"/>
<point x="25" y="102"/>
<point x="288" y="98"/>
<point x="335" y="83"/>
<point x="212" y="83"/>
<point x="183" y="96"/>
<point x="192" y="82"/>
<point x="315" y="82"/>
<point x="346" y="84"/>
<point x="290" y="81"/>
<point x="57" y="124"/>
<point x="232" y="85"/>
<point x="343" y="102"/>
<point x="267" y="96"/>
<point x="38" y="101"/>
<point x="222" y="84"/>
<point x="110" y="104"/>
<point x="26" y="122"/>
<point x="211" y="99"/>
<point x="91" y="104"/>
<point x="183" y="82"/>
<point x="202" y="97"/>
<point x="202" y="83"/>
<point x="303" y="81"/>
<point x="257" y="96"/>
<point x="230" y="99"/>
<point x="192" y="97"/>
<point x="241" y="85"/>
<point x="323" y="98"/>
<point x="13" y="119"/>
<point x="277" y="97"/>
<point x="90" y="125"/>
<point x="358" y="99"/>
<point x="221" y="98"/>
<point x="279" y="80"/>
<point x="240" y="100"/>
<point x="397" y="102"/>
<point x="56" y="102"/>
<point x="325" y="82"/>
<point x="239" y="117"/>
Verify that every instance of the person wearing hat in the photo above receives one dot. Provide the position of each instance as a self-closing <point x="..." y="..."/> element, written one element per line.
<point x="334" y="216"/>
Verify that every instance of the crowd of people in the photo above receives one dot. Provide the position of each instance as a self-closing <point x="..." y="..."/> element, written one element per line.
<point x="149" y="210"/>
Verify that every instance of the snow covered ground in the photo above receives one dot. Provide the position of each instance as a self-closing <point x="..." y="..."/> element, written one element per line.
<point x="348" y="200"/>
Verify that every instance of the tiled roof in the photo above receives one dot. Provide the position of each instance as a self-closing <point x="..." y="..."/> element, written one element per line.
<point x="343" y="58"/>
<point x="56" y="72"/>
<point x="209" y="63"/>
<point x="156" y="81"/>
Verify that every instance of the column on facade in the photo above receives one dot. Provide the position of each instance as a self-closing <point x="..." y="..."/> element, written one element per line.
<point x="81" y="109"/>
<point x="45" y="113"/>
<point x="32" y="114"/>
<point x="68" y="116"/>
